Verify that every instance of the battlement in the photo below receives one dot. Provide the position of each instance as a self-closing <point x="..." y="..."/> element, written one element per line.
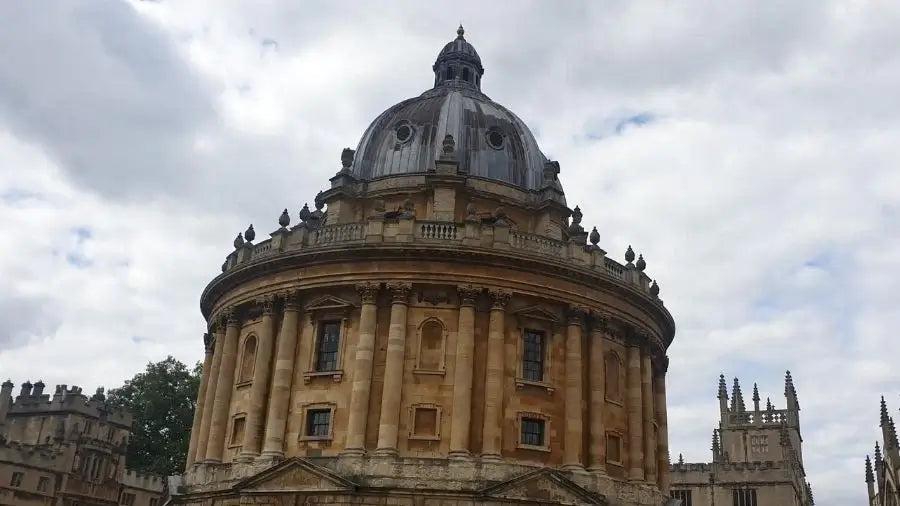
<point x="144" y="481"/>
<point x="754" y="466"/>
<point x="40" y="456"/>
<point x="33" y="401"/>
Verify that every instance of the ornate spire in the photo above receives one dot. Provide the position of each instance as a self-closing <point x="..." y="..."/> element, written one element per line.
<point x="723" y="388"/>
<point x="892" y="434"/>
<point x="769" y="406"/>
<point x="716" y="447"/>
<point x="755" y="397"/>
<point x="878" y="460"/>
<point x="680" y="459"/>
<point x="737" y="398"/>
<point x="884" y="414"/>
<point x="870" y="477"/>
<point x="460" y="32"/>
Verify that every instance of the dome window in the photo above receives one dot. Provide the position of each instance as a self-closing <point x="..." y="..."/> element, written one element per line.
<point x="404" y="133"/>
<point x="495" y="139"/>
<point x="466" y="74"/>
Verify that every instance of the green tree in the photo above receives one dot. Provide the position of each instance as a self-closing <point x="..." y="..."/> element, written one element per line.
<point x="162" y="400"/>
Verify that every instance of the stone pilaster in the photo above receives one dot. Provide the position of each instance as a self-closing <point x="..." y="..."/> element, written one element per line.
<point x="201" y="401"/>
<point x="662" y="437"/>
<point x="634" y="412"/>
<point x="461" y="419"/>
<point x="574" y="426"/>
<point x="647" y="418"/>
<point x="253" y="432"/>
<point x="212" y="380"/>
<point x="279" y="398"/>
<point x="492" y="439"/>
<point x="389" y="423"/>
<point x="362" y="370"/>
<point x="224" y="387"/>
<point x="597" y="411"/>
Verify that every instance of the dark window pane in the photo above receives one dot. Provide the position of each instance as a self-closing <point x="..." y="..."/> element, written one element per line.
<point x="318" y="422"/>
<point x="533" y="356"/>
<point x="327" y="352"/>
<point x="532" y="432"/>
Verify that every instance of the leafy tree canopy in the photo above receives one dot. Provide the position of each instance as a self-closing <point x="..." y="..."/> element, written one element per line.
<point x="162" y="400"/>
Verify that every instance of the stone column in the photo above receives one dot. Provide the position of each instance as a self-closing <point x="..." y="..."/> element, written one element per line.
<point x="388" y="426"/>
<point x="362" y="370"/>
<point x="279" y="398"/>
<point x="259" y="389"/>
<point x="492" y="439"/>
<point x="647" y="418"/>
<point x="461" y="420"/>
<point x="597" y="380"/>
<point x="634" y="411"/>
<point x="213" y="382"/>
<point x="201" y="400"/>
<point x="224" y="388"/>
<point x="574" y="427"/>
<point x="662" y="437"/>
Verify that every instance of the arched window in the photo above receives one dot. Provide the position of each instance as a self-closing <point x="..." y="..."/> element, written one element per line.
<point x="248" y="359"/>
<point x="431" y="346"/>
<point x="451" y="73"/>
<point x="466" y="74"/>
<point x="613" y="376"/>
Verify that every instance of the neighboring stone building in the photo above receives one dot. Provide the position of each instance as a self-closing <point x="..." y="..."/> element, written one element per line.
<point x="884" y="483"/>
<point x="757" y="456"/>
<point x="67" y="450"/>
<point x="443" y="334"/>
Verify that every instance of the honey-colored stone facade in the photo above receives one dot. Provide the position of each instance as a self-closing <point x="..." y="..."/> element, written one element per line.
<point x="431" y="338"/>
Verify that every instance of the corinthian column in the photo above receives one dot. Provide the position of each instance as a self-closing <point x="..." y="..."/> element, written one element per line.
<point x="388" y="426"/>
<point x="224" y="387"/>
<point x="461" y="419"/>
<point x="634" y="411"/>
<point x="492" y="439"/>
<point x="212" y="378"/>
<point x="362" y="370"/>
<point x="597" y="380"/>
<point x="259" y="389"/>
<point x="662" y="436"/>
<point x="279" y="398"/>
<point x="201" y="400"/>
<point x="647" y="403"/>
<point x="573" y="442"/>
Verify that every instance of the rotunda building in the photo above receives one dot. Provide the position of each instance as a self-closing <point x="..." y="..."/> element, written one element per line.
<point x="440" y="328"/>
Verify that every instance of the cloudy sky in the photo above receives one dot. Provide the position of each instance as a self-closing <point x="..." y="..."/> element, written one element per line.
<point x="744" y="149"/>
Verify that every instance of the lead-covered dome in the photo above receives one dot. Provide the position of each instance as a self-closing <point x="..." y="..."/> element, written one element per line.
<point x="491" y="142"/>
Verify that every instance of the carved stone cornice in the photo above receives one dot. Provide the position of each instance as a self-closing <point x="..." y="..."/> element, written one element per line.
<point x="467" y="294"/>
<point x="575" y="315"/>
<point x="399" y="292"/>
<point x="368" y="292"/>
<point x="499" y="298"/>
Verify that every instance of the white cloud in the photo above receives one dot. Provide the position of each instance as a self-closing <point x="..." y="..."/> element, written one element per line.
<point x="137" y="139"/>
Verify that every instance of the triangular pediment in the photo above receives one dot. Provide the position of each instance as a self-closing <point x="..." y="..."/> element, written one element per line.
<point x="296" y="474"/>
<point x="328" y="302"/>
<point x="537" y="313"/>
<point x="545" y="486"/>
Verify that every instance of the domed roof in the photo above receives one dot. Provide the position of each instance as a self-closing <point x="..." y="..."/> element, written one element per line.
<point x="490" y="141"/>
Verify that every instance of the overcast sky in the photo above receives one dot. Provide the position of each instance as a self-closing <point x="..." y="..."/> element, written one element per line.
<point x="749" y="151"/>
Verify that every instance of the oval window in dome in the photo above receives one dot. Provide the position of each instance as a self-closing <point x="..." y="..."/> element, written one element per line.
<point x="495" y="139"/>
<point x="404" y="132"/>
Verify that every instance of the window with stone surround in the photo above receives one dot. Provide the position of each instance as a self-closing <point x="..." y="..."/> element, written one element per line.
<point x="431" y="347"/>
<point x="743" y="497"/>
<point x="613" y="380"/>
<point x="537" y="328"/>
<point x="533" y="347"/>
<point x="248" y="359"/>
<point x="238" y="424"/>
<point x="328" y="345"/>
<point x="759" y="444"/>
<point x="16" y="479"/>
<point x="614" y="448"/>
<point x="127" y="499"/>
<point x="682" y="495"/>
<point x="534" y="431"/>
<point x="425" y="422"/>
<point x="43" y="484"/>
<point x="318" y="422"/>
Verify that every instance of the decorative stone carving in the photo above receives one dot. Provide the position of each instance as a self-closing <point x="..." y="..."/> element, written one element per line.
<point x="641" y="263"/>
<point x="575" y="227"/>
<point x="434" y="296"/>
<point x="499" y="299"/>
<point x="238" y="241"/>
<point x="304" y="213"/>
<point x="292" y="300"/>
<point x="285" y="219"/>
<point x="629" y="254"/>
<point x="230" y="316"/>
<point x="207" y="341"/>
<point x="368" y="292"/>
<point x="576" y="315"/>
<point x="267" y="304"/>
<point x="399" y="292"/>
<point x="347" y="156"/>
<point x="471" y="212"/>
<point x="448" y="146"/>
<point x="250" y="234"/>
<point x="595" y="237"/>
<point x="467" y="295"/>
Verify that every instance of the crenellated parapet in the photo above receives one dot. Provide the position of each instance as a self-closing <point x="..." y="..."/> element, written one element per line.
<point x="33" y="401"/>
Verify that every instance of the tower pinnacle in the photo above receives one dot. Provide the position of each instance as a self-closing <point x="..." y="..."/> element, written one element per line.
<point x="870" y="477"/>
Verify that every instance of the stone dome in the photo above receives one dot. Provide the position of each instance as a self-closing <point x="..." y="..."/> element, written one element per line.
<point x="490" y="141"/>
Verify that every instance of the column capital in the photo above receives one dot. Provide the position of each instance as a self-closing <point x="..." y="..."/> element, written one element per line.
<point x="368" y="292"/>
<point x="399" y="292"/>
<point x="600" y="321"/>
<point x="575" y="315"/>
<point x="229" y="314"/>
<point x="267" y="304"/>
<point x="499" y="298"/>
<point x="467" y="294"/>
<point x="291" y="300"/>
<point x="208" y="342"/>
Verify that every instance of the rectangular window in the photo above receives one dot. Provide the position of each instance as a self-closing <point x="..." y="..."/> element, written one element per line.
<point x="318" y="423"/>
<point x="43" y="484"/>
<point x="533" y="432"/>
<point x="533" y="356"/>
<point x="614" y="448"/>
<point x="684" y="496"/>
<point x="154" y="501"/>
<point x="327" y="346"/>
<point x="127" y="499"/>
<point x="237" y="430"/>
<point x="743" y="497"/>
<point x="16" y="480"/>
<point x="425" y="422"/>
<point x="759" y="444"/>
